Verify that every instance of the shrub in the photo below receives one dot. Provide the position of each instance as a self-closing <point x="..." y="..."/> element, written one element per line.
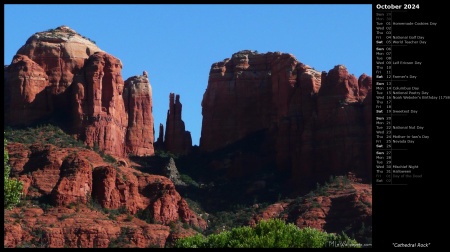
<point x="273" y="233"/>
<point x="63" y="217"/>
<point x="188" y="180"/>
<point x="12" y="187"/>
<point x="129" y="217"/>
<point x="145" y="215"/>
<point x="165" y="154"/>
<point x="108" y="158"/>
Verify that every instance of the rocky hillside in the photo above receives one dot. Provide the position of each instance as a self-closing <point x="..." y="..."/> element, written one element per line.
<point x="74" y="197"/>
<point x="342" y="204"/>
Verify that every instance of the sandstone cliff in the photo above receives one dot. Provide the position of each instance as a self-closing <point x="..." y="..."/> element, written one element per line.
<point x="98" y="108"/>
<point x="313" y="123"/>
<point x="41" y="72"/>
<point x="63" y="75"/>
<point x="25" y="95"/>
<point x="138" y="104"/>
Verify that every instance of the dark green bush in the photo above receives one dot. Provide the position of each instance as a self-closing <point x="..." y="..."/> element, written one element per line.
<point x="108" y="158"/>
<point x="188" y="180"/>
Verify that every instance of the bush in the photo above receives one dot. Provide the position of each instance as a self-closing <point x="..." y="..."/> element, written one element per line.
<point x="188" y="180"/>
<point x="145" y="215"/>
<point x="108" y="158"/>
<point x="165" y="154"/>
<point x="12" y="187"/>
<point x="129" y="217"/>
<point x="273" y="233"/>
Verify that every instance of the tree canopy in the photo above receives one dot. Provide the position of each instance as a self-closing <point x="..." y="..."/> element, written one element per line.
<point x="274" y="233"/>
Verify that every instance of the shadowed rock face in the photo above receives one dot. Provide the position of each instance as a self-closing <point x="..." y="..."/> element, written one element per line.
<point x="338" y="140"/>
<point x="177" y="139"/>
<point x="61" y="74"/>
<point x="25" y="93"/>
<point x="237" y="100"/>
<point x="315" y="123"/>
<point x="160" y="141"/>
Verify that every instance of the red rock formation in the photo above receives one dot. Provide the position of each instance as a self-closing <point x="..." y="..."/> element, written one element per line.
<point x="138" y="104"/>
<point x="98" y="106"/>
<point x="364" y="85"/>
<point x="70" y="179"/>
<point x="336" y="212"/>
<point x="274" y="211"/>
<point x="19" y="155"/>
<point x="26" y="97"/>
<point x="338" y="138"/>
<point x="39" y="166"/>
<point x="165" y="203"/>
<point x="114" y="190"/>
<point x="178" y="140"/>
<point x="299" y="121"/>
<point x="43" y="69"/>
<point x="78" y="227"/>
<point x="61" y="74"/>
<point x="72" y="176"/>
<point x="13" y="235"/>
<point x="314" y="122"/>
<point x="346" y="205"/>
<point x="40" y="169"/>
<point x="75" y="182"/>
<point x="237" y="100"/>
<point x="61" y="52"/>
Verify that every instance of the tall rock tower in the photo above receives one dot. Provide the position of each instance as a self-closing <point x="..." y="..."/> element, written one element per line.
<point x="177" y="139"/>
<point x="138" y="104"/>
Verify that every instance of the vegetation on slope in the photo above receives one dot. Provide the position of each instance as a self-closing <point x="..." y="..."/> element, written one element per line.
<point x="45" y="134"/>
<point x="216" y="199"/>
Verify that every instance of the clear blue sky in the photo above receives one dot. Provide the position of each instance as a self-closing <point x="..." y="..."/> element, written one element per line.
<point x="176" y="44"/>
